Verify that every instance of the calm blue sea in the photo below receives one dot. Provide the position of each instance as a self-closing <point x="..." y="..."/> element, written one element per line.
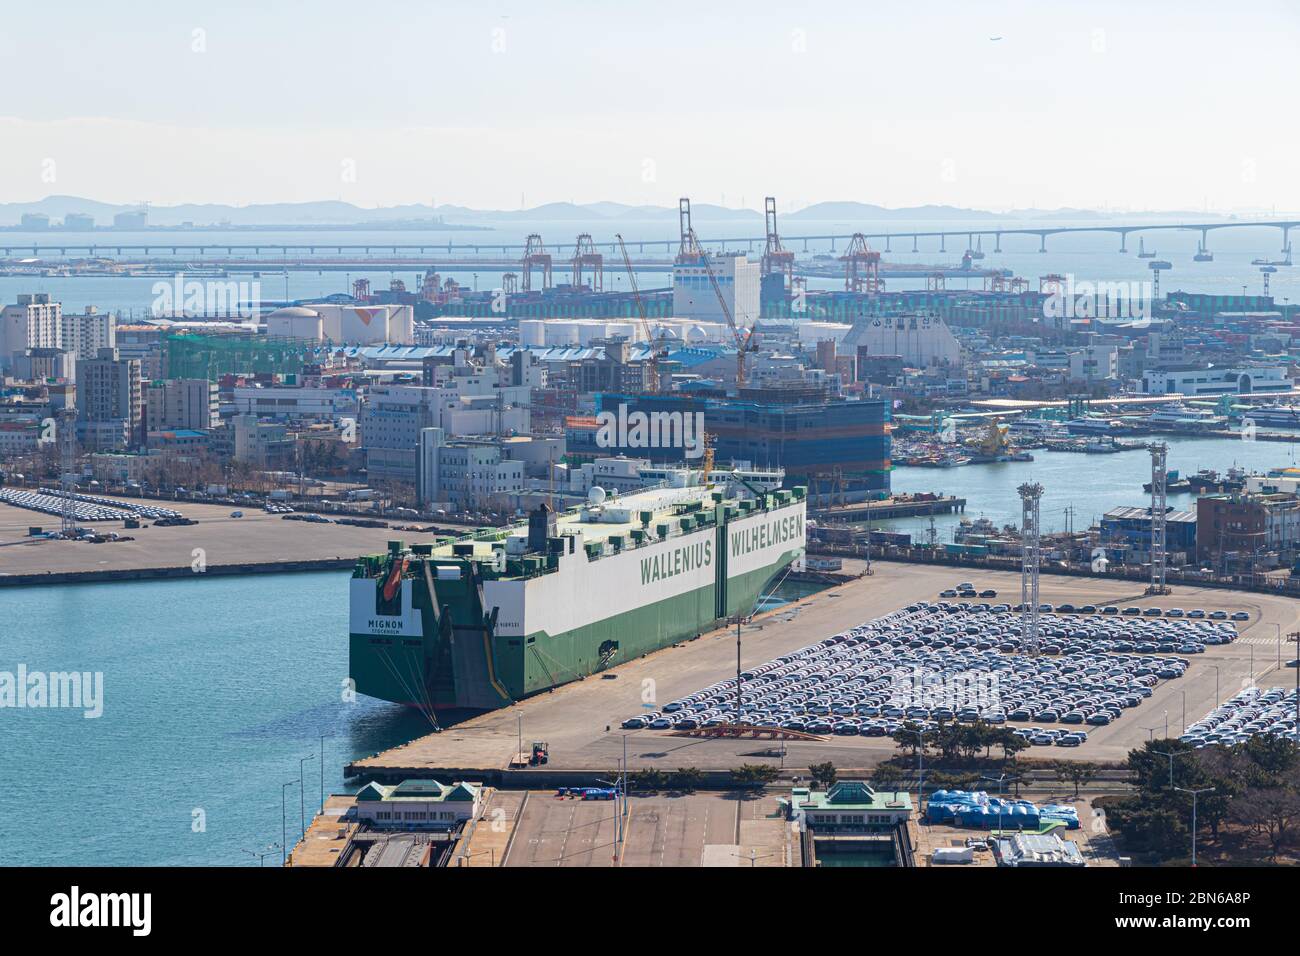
<point x="213" y="690"/>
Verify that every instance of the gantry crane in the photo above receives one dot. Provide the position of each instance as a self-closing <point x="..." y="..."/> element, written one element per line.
<point x="535" y="254"/>
<point x="861" y="266"/>
<point x="584" y="256"/>
<point x="776" y="258"/>
<point x="640" y="310"/>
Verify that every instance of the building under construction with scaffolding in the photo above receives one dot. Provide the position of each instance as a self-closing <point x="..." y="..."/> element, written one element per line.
<point x="815" y="439"/>
<point x="213" y="354"/>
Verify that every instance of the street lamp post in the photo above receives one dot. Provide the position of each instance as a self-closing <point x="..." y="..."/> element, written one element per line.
<point x="261" y="855"/>
<point x="1195" y="794"/>
<point x="620" y="800"/>
<point x="920" y="766"/>
<point x="1217" y="700"/>
<point x="998" y="780"/>
<point x="302" y="799"/>
<point x="754" y="856"/>
<point x="284" y="836"/>
<point x="1171" y="756"/>
<point x="322" y="771"/>
<point x="737" y="619"/>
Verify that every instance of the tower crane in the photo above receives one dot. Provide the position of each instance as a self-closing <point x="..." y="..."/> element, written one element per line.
<point x="692" y="252"/>
<point x="640" y="309"/>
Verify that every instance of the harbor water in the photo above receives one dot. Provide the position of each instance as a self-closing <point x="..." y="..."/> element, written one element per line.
<point x="1077" y="488"/>
<point x="213" y="689"/>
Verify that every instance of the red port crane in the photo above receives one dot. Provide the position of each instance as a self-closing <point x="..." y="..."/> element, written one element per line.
<point x="535" y="254"/>
<point x="776" y="258"/>
<point x="584" y="256"/>
<point x="861" y="266"/>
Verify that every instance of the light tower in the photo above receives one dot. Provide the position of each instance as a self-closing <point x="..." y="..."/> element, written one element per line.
<point x="1158" y="266"/>
<point x="1158" y="476"/>
<point x="66" y="435"/>
<point x="1266" y="271"/>
<point x="1030" y="494"/>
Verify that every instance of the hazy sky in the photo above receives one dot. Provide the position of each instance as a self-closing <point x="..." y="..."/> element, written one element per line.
<point x="1124" y="105"/>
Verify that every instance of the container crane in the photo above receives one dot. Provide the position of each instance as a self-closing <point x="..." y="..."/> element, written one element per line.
<point x="776" y="258"/>
<point x="585" y="256"/>
<point x="535" y="254"/>
<point x="640" y="310"/>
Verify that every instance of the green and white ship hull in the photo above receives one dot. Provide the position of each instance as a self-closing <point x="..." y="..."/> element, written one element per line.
<point x="482" y="622"/>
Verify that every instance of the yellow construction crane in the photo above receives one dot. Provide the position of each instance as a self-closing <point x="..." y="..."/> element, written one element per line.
<point x="640" y="308"/>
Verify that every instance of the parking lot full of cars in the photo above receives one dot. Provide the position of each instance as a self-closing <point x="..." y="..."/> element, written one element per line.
<point x="933" y="662"/>
<point x="1253" y="712"/>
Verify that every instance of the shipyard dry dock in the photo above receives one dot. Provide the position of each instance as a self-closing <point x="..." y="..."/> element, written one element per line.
<point x="581" y="721"/>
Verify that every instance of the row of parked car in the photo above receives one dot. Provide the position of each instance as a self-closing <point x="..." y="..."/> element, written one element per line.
<point x="967" y="590"/>
<point x="1059" y="634"/>
<point x="923" y="664"/>
<point x="85" y="507"/>
<point x="144" y="511"/>
<point x="1253" y="711"/>
<point x="1052" y="736"/>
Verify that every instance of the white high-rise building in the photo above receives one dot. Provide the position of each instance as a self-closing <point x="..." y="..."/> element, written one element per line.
<point x="738" y="280"/>
<point x="34" y="322"/>
<point x="85" y="333"/>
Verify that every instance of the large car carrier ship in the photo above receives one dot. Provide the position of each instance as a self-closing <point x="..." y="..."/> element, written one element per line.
<point x="482" y="621"/>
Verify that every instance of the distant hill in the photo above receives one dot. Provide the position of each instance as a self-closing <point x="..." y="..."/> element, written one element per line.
<point x="343" y="214"/>
<point x="866" y="212"/>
